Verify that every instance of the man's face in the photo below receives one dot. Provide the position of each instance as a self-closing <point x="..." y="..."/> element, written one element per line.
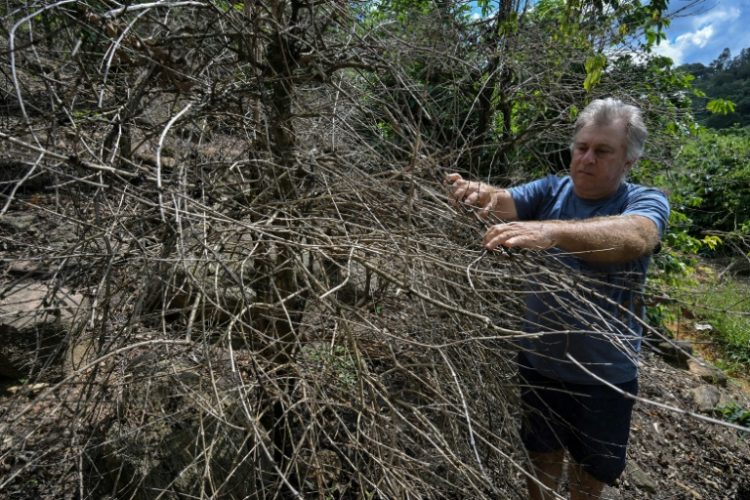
<point x="599" y="161"/>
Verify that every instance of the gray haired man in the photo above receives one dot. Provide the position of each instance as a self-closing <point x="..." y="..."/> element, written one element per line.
<point x="582" y="357"/>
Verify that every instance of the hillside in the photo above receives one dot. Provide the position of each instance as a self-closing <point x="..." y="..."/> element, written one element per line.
<point x="728" y="78"/>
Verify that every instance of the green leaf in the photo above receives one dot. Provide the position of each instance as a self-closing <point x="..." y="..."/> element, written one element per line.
<point x="573" y="112"/>
<point x="720" y="106"/>
<point x="712" y="241"/>
<point x="594" y="66"/>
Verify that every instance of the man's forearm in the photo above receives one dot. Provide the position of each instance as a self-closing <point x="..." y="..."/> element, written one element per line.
<point x="606" y="239"/>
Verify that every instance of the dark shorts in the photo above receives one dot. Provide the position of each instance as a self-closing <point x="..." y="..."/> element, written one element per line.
<point x="592" y="422"/>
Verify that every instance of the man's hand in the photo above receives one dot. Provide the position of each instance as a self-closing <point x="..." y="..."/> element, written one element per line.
<point x="477" y="195"/>
<point x="533" y="235"/>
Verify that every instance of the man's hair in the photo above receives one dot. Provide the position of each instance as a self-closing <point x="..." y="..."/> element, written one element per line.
<point x="609" y="111"/>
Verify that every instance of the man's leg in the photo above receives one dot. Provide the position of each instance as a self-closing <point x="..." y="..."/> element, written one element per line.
<point x="583" y="486"/>
<point x="542" y="430"/>
<point x="598" y="445"/>
<point x="547" y="469"/>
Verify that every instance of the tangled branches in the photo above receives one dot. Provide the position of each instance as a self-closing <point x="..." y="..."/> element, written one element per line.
<point x="272" y="296"/>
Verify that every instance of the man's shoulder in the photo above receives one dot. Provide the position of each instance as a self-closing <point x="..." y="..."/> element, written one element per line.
<point x="640" y="191"/>
<point x="534" y="199"/>
<point x="649" y="202"/>
<point x="634" y="186"/>
<point x="550" y="182"/>
<point x="557" y="180"/>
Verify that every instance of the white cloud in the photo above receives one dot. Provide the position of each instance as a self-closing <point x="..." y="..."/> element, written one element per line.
<point x="697" y="38"/>
<point x="684" y="43"/>
<point x="715" y="16"/>
<point x="699" y="33"/>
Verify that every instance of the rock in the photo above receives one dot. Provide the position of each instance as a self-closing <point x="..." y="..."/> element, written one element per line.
<point x="172" y="432"/>
<point x="32" y="389"/>
<point x="675" y="352"/>
<point x="27" y="268"/>
<point x="706" y="397"/>
<point x="35" y="319"/>
<point x="640" y="479"/>
<point x="728" y="399"/>
<point x="707" y="373"/>
<point x="13" y="170"/>
<point x="18" y="223"/>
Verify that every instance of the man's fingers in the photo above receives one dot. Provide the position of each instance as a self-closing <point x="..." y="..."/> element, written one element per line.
<point x="509" y="242"/>
<point x="474" y="194"/>
<point x="495" y="236"/>
<point x="457" y="186"/>
<point x="451" y="178"/>
<point x="512" y="235"/>
<point x="458" y="193"/>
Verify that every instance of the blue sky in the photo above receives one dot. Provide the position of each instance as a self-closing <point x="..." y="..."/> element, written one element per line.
<point x="702" y="31"/>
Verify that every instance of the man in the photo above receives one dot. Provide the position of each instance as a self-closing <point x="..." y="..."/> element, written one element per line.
<point x="582" y="359"/>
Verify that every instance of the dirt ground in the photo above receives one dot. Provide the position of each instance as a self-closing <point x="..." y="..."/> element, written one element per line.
<point x="675" y="454"/>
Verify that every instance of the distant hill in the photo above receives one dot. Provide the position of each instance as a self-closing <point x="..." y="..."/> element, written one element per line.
<point x="726" y="78"/>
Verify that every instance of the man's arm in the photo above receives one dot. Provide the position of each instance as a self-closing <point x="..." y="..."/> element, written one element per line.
<point x="613" y="239"/>
<point x="482" y="197"/>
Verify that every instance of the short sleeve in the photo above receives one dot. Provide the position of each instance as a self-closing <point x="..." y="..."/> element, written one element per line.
<point x="651" y="203"/>
<point x="530" y="197"/>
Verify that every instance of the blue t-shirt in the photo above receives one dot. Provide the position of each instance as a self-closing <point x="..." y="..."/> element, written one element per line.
<point x="590" y="311"/>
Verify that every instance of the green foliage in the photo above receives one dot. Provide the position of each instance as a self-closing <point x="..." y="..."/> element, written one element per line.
<point x="226" y="5"/>
<point x="677" y="262"/>
<point x="333" y="363"/>
<point x="723" y="98"/>
<point x="594" y="68"/>
<point x="712" y="183"/>
<point x="722" y="302"/>
<point x="658" y="316"/>
<point x="735" y="414"/>
<point x="725" y="304"/>
<point x="720" y="106"/>
<point x="507" y="78"/>
<point x="402" y="11"/>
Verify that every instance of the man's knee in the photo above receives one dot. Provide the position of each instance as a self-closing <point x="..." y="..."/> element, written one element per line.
<point x="547" y="462"/>
<point x="584" y="486"/>
<point x="604" y="468"/>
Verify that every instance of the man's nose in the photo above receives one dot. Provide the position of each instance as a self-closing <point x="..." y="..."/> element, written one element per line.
<point x="589" y="157"/>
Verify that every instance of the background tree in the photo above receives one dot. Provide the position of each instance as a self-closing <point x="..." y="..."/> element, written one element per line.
<point x="724" y="79"/>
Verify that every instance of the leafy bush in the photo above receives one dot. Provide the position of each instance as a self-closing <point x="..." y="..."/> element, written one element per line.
<point x="727" y="306"/>
<point x="711" y="183"/>
<point x="735" y="414"/>
<point x="724" y="303"/>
